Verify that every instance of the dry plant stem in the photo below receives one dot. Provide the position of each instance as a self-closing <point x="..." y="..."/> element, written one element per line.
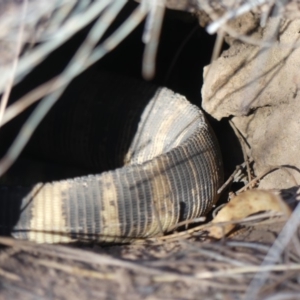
<point x="39" y="10"/>
<point x="73" y="270"/>
<point x="232" y="14"/>
<point x="296" y="243"/>
<point x="238" y="168"/>
<point x="9" y="276"/>
<point x="283" y="296"/>
<point x="75" y="254"/>
<point x="188" y="222"/>
<point x="217" y="46"/>
<point x="217" y="209"/>
<point x="265" y="13"/>
<point x="65" y="32"/>
<point x="274" y="253"/>
<point x="60" y="16"/>
<point x="10" y="80"/>
<point x="271" y="169"/>
<point x="280" y="280"/>
<point x="34" y="95"/>
<point x="242" y="142"/>
<point x="246" y="39"/>
<point x="72" y="253"/>
<point x="248" y="269"/>
<point x="263" y="57"/>
<point x="201" y="228"/>
<point x="55" y="83"/>
<point x="227" y="252"/>
<point x="221" y="279"/>
<point x="80" y="255"/>
<point x="72" y="26"/>
<point x="214" y="251"/>
<point x="84" y="256"/>
<point x="220" y="257"/>
<point x="256" y="42"/>
<point x="78" y="64"/>
<point x="151" y="37"/>
<point x="32" y="59"/>
<point x="14" y="288"/>
<point x="251" y="245"/>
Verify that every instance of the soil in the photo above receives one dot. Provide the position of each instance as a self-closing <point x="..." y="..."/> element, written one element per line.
<point x="182" y="269"/>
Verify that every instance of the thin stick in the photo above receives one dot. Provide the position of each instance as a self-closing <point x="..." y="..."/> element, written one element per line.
<point x="75" y="67"/>
<point x="274" y="253"/>
<point x="232" y="14"/>
<point x="10" y="79"/>
<point x="151" y="37"/>
<point x="271" y="169"/>
<point x="217" y="46"/>
<point x="69" y="29"/>
<point x="56" y="83"/>
<point x="242" y="142"/>
<point x="238" y="169"/>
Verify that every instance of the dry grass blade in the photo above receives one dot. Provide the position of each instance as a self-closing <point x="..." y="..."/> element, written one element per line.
<point x="85" y="56"/>
<point x="274" y="252"/>
<point x="207" y="265"/>
<point x="73" y="270"/>
<point x="9" y="275"/>
<point x="151" y="36"/>
<point x="271" y="169"/>
<point x="73" y="25"/>
<point x="231" y="14"/>
<point x="5" y="96"/>
<point x="57" y="82"/>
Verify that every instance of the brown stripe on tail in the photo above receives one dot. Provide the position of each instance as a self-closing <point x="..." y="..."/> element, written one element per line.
<point x="172" y="173"/>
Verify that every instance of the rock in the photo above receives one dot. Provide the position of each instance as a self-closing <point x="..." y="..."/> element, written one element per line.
<point x="259" y="88"/>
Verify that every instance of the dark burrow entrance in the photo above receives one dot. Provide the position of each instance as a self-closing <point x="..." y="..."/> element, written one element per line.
<point x="184" y="49"/>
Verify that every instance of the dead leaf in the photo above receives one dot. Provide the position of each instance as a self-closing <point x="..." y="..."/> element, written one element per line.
<point x="244" y="205"/>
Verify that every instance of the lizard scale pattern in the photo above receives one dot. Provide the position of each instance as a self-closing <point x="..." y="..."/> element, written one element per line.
<point x="168" y="171"/>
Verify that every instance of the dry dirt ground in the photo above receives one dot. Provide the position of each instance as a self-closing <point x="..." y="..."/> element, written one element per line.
<point x="178" y="269"/>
